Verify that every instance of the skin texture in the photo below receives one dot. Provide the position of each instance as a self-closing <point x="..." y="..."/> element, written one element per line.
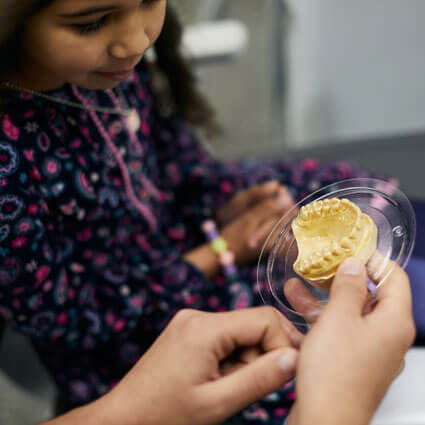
<point x="55" y="52"/>
<point x="353" y="381"/>
<point x="203" y="369"/>
<point x="245" y="222"/>
<point x="232" y="359"/>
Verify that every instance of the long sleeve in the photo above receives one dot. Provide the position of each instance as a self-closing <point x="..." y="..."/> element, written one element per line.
<point x="50" y="289"/>
<point x="198" y="179"/>
<point x="64" y="275"/>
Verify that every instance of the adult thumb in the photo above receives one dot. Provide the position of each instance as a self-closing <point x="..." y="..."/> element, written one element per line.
<point x="252" y="382"/>
<point x="349" y="287"/>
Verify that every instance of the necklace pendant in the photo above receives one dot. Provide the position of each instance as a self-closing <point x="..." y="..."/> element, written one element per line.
<point x="133" y="121"/>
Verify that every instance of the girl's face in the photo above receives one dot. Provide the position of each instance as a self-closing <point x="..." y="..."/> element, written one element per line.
<point x="94" y="44"/>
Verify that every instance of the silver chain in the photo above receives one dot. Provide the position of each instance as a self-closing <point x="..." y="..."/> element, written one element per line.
<point x="125" y="112"/>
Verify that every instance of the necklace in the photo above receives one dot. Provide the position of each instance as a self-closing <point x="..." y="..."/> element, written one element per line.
<point x="126" y="111"/>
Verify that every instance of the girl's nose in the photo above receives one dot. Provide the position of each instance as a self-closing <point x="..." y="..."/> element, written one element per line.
<point x="131" y="40"/>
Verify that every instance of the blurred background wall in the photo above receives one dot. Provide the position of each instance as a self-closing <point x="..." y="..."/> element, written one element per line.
<point x="338" y="79"/>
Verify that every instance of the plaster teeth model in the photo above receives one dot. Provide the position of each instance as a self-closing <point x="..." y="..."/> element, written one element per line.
<point x="328" y="232"/>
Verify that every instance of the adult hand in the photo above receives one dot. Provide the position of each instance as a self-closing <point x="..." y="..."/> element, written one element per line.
<point x="349" y="359"/>
<point x="203" y="369"/>
<point x="248" y="198"/>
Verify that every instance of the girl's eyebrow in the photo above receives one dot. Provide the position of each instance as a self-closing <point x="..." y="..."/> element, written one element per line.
<point x="90" y="11"/>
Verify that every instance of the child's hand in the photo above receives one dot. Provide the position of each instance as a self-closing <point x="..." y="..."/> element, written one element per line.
<point x="203" y="369"/>
<point x="246" y="234"/>
<point x="249" y="198"/>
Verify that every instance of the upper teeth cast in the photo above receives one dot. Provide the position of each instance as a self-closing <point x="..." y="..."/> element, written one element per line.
<point x="327" y="232"/>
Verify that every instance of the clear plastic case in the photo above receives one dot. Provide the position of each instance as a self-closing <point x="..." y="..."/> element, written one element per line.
<point x="392" y="212"/>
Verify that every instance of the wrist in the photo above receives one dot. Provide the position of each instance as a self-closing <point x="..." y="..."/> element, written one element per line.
<point x="111" y="409"/>
<point x="99" y="412"/>
<point x="340" y="412"/>
<point x="204" y="259"/>
<point x="91" y="414"/>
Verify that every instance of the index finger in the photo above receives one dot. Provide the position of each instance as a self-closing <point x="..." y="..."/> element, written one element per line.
<point x="393" y="310"/>
<point x="259" y="326"/>
<point x="394" y="293"/>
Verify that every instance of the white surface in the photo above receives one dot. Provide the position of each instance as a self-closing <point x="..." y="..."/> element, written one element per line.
<point x="357" y="68"/>
<point x="209" y="40"/>
<point x="405" y="402"/>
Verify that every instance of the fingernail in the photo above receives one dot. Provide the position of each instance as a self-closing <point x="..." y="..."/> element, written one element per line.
<point x="351" y="267"/>
<point x="287" y="361"/>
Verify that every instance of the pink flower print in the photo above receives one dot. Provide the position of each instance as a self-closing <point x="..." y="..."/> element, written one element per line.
<point x="33" y="210"/>
<point x="100" y="260"/>
<point x="257" y="413"/>
<point x="76" y="144"/>
<point x="345" y="170"/>
<point x="191" y="299"/>
<point x="145" y="128"/>
<point x="35" y="174"/>
<point x="310" y="164"/>
<point x="281" y="412"/>
<point x="29" y="155"/>
<point x="178" y="233"/>
<point x="62" y="318"/>
<point x="242" y="300"/>
<point x="119" y="325"/>
<point x="52" y="167"/>
<point x="157" y="288"/>
<point x="29" y="114"/>
<point x="77" y="267"/>
<point x="110" y="319"/>
<point x="142" y="242"/>
<point x="41" y="274"/>
<point x="226" y="187"/>
<point x="24" y="226"/>
<point x="11" y="131"/>
<point x="173" y="173"/>
<point x="19" y="242"/>
<point x="48" y="286"/>
<point x="137" y="302"/>
<point x="84" y="235"/>
<point x="85" y="132"/>
<point x="291" y="396"/>
<point x="214" y="302"/>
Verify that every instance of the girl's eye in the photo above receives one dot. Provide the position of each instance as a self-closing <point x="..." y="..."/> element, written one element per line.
<point x="96" y="25"/>
<point x="91" y="26"/>
<point x="149" y="3"/>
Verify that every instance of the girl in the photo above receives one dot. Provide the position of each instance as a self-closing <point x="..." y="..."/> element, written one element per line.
<point x="104" y="190"/>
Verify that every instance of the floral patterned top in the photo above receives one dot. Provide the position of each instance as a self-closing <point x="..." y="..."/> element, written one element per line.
<point x="82" y="271"/>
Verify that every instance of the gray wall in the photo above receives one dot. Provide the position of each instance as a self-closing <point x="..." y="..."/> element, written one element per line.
<point x="357" y="68"/>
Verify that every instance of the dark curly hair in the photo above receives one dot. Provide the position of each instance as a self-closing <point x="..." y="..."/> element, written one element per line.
<point x="181" y="95"/>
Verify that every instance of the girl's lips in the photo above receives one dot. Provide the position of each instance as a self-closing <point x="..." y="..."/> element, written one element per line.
<point x="116" y="76"/>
